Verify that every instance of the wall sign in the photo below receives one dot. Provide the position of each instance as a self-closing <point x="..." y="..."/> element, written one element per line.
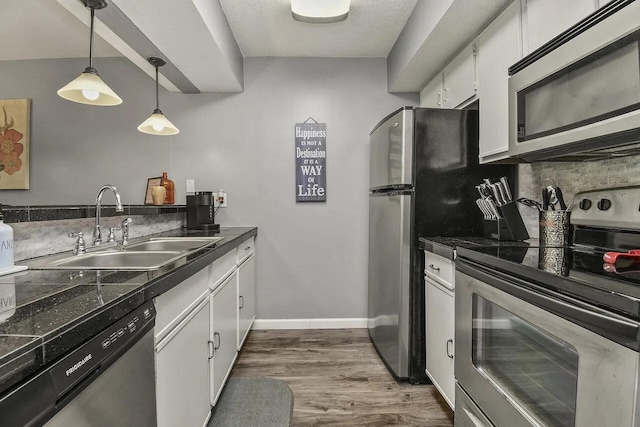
<point x="311" y="160"/>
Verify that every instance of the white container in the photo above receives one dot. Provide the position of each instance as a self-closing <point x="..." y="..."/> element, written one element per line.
<point x="6" y="244"/>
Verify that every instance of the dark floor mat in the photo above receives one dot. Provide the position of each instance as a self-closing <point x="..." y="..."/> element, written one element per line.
<point x="253" y="402"/>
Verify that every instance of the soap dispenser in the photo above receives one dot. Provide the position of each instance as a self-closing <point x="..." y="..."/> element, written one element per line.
<point x="6" y="244"/>
<point x="170" y="187"/>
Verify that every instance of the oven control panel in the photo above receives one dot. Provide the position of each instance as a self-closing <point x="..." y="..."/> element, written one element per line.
<point x="608" y="208"/>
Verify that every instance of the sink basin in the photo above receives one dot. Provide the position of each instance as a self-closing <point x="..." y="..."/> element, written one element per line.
<point x="178" y="244"/>
<point x="114" y="260"/>
<point x="147" y="255"/>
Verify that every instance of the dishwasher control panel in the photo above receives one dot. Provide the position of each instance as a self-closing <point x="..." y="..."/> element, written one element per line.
<point x="85" y="359"/>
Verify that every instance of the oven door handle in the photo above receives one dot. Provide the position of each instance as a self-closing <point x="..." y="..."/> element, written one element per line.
<point x="593" y="318"/>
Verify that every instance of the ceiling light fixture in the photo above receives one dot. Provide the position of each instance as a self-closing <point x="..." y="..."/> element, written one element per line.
<point x="320" y="12"/>
<point x="89" y="88"/>
<point x="157" y="123"/>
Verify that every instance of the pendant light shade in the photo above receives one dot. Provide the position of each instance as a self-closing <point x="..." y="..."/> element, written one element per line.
<point x="157" y="123"/>
<point x="89" y="88"/>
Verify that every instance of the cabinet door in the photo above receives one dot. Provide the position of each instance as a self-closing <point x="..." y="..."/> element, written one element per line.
<point x="499" y="47"/>
<point x="459" y="79"/>
<point x="439" y="337"/>
<point x="224" y="334"/>
<point x="182" y="383"/>
<point x="545" y="19"/>
<point x="431" y="95"/>
<point x="246" y="298"/>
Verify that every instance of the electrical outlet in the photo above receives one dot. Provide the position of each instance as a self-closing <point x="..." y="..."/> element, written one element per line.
<point x="221" y="200"/>
<point x="191" y="186"/>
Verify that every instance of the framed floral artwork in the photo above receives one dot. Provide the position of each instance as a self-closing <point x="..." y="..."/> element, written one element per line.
<point x="14" y="144"/>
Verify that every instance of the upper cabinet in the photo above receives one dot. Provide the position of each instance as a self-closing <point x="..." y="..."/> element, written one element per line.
<point x="480" y="71"/>
<point x="455" y="85"/>
<point x="545" y="19"/>
<point x="459" y="79"/>
<point x="499" y="47"/>
<point x="431" y="95"/>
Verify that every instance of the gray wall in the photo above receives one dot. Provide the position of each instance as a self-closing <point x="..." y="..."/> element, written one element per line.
<point x="312" y="260"/>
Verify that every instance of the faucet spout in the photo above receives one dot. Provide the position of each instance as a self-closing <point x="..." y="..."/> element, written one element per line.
<point x="97" y="234"/>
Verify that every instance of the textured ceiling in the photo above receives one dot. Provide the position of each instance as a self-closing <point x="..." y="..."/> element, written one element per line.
<point x="35" y="29"/>
<point x="266" y="28"/>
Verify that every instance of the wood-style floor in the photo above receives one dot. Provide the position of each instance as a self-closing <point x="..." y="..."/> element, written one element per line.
<point x="338" y="379"/>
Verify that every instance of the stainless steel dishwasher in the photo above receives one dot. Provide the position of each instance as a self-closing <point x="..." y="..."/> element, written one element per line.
<point x="107" y="381"/>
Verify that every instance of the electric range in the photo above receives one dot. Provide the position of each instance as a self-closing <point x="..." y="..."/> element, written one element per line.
<point x="538" y="326"/>
<point x="602" y="221"/>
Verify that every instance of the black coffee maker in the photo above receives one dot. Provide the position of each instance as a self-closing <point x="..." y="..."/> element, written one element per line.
<point x="201" y="212"/>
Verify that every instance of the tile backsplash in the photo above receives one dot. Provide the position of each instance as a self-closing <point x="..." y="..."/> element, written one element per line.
<point x="573" y="177"/>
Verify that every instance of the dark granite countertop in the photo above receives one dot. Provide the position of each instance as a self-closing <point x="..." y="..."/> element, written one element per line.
<point x="57" y="310"/>
<point x="445" y="246"/>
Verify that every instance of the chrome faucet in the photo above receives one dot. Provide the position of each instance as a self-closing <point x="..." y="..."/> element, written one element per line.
<point x="97" y="235"/>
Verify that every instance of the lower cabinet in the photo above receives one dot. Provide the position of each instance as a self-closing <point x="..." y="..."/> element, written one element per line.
<point x="200" y="326"/>
<point x="246" y="298"/>
<point x="224" y="335"/>
<point x="182" y="391"/>
<point x="439" y="338"/>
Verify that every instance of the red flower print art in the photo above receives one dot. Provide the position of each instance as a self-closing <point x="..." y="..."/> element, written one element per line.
<point x="10" y="147"/>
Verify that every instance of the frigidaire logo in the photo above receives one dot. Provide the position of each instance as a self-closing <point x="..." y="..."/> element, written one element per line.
<point x="77" y="366"/>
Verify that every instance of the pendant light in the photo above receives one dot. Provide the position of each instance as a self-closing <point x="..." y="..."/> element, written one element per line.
<point x="157" y="123"/>
<point x="89" y="88"/>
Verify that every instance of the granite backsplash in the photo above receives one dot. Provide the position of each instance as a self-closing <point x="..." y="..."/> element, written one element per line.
<point x="573" y="177"/>
<point x="43" y="237"/>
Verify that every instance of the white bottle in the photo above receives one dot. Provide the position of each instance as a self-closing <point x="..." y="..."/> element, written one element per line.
<point x="6" y="244"/>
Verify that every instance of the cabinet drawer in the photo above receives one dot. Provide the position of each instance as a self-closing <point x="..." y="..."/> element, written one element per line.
<point x="221" y="268"/>
<point x="175" y="304"/>
<point x="245" y="249"/>
<point x="439" y="269"/>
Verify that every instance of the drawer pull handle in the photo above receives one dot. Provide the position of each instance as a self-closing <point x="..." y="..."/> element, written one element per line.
<point x="216" y="334"/>
<point x="449" y="354"/>
<point x="247" y="248"/>
<point x="433" y="267"/>
<point x="241" y="298"/>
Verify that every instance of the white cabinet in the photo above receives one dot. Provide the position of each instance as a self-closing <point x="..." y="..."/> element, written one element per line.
<point x="455" y="85"/>
<point x="182" y="386"/>
<point x="499" y="47"/>
<point x="224" y="334"/>
<point x="459" y="79"/>
<point x="439" y="319"/>
<point x="431" y="95"/>
<point x="545" y="19"/>
<point x="246" y="298"/>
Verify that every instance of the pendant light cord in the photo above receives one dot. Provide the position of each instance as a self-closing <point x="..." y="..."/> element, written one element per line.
<point x="93" y="11"/>
<point x="157" y="97"/>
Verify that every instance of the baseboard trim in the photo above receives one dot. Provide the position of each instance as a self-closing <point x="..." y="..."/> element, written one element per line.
<point x="309" y="323"/>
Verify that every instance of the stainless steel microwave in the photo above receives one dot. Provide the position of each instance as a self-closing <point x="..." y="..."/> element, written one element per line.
<point x="578" y="96"/>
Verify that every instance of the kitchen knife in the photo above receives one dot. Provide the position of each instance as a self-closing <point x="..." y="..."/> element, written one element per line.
<point x="493" y="208"/>
<point x="500" y="186"/>
<point x="507" y="189"/>
<point x="482" y="210"/>
<point x="496" y="195"/>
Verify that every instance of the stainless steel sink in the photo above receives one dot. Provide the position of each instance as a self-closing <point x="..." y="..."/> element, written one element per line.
<point x="179" y="244"/>
<point x="114" y="260"/>
<point x="147" y="255"/>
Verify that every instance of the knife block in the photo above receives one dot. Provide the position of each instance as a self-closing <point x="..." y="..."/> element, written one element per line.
<point x="509" y="227"/>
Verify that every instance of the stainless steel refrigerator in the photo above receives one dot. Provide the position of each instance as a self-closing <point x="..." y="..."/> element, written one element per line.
<point x="424" y="169"/>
